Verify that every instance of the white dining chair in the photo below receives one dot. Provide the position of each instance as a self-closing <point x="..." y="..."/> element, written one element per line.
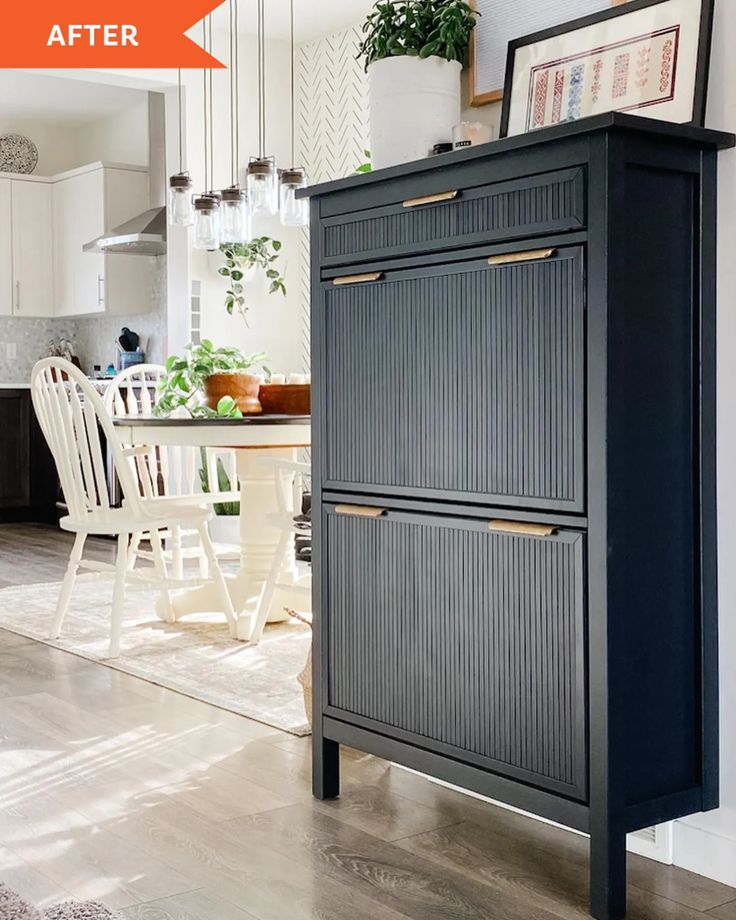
<point x="73" y="417"/>
<point x="166" y="472"/>
<point x="289" y="479"/>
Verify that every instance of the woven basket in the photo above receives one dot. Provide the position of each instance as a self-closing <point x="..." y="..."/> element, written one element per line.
<point x="305" y="677"/>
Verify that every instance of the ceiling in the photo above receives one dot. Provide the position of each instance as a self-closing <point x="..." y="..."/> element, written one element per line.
<point x="312" y="18"/>
<point x="33" y="97"/>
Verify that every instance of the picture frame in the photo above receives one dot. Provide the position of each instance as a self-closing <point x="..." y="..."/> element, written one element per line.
<point x="501" y="21"/>
<point x="646" y="57"/>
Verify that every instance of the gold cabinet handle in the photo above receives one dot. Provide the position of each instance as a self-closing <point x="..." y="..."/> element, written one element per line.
<point x="357" y="279"/>
<point x="360" y="511"/>
<point x="532" y="255"/>
<point x="521" y="527"/>
<point x="431" y="199"/>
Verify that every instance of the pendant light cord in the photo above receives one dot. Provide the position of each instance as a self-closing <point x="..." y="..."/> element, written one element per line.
<point x="237" y="90"/>
<point x="205" y="112"/>
<point x="234" y="91"/>
<point x="212" y="109"/>
<point x="208" y="107"/>
<point x="181" y="125"/>
<point x="231" y="12"/>
<point x="293" y="103"/>
<point x="261" y="79"/>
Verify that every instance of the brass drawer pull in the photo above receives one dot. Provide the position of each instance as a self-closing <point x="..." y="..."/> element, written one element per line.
<point x="360" y="511"/>
<point x="358" y="279"/>
<point x="531" y="256"/>
<point x="431" y="199"/>
<point x="521" y="527"/>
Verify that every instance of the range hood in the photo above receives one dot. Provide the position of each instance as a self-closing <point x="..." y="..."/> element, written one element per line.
<point x="144" y="235"/>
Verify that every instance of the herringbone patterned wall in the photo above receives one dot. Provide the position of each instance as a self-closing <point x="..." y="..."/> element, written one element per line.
<point x="332" y="125"/>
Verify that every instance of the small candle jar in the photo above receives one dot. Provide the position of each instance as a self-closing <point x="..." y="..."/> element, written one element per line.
<point x="471" y="134"/>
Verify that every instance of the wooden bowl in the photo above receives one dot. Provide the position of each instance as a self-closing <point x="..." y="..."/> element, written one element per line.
<point x="243" y="388"/>
<point x="286" y="399"/>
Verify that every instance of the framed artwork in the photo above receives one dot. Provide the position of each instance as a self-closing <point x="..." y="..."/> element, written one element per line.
<point x="646" y="57"/>
<point x="500" y="22"/>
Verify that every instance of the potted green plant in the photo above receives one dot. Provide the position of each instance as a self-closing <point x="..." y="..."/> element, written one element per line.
<point x="225" y="525"/>
<point x="209" y="381"/>
<point x="241" y="259"/>
<point x="414" y="52"/>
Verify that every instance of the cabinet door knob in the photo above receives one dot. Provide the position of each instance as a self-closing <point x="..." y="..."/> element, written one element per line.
<point x="524" y="528"/>
<point x="532" y="255"/>
<point x="431" y="199"/>
<point x="17" y="296"/>
<point x="100" y="290"/>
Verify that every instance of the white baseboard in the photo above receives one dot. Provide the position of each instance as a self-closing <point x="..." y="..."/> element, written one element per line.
<point x="657" y="845"/>
<point x="705" y="853"/>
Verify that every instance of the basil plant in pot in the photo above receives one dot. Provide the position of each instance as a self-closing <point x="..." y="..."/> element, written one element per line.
<point x="414" y="52"/>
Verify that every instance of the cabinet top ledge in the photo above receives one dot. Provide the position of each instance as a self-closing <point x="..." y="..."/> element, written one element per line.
<point x="704" y="138"/>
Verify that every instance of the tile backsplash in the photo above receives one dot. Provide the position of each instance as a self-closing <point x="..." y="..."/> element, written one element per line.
<point x="30" y="338"/>
<point x="93" y="337"/>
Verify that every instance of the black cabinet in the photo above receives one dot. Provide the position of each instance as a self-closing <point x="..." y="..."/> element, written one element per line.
<point x="514" y="475"/>
<point x="431" y="615"/>
<point x="469" y="378"/>
<point x="15" y="449"/>
<point x="28" y="483"/>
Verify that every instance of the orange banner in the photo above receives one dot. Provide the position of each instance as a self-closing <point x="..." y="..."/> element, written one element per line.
<point x="115" y="34"/>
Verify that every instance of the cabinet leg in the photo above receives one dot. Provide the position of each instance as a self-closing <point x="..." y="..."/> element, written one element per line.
<point x="608" y="875"/>
<point x="325" y="768"/>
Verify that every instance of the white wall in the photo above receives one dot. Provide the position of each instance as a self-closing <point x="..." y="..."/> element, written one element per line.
<point x="707" y="843"/>
<point x="57" y="145"/>
<point x="122" y="138"/>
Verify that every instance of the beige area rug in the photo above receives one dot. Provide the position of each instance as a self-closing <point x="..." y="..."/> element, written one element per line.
<point x="195" y="657"/>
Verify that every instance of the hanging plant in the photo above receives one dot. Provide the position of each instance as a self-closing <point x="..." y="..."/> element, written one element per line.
<point x="240" y="258"/>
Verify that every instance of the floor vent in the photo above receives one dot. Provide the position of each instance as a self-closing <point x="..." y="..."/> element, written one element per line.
<point x="654" y="843"/>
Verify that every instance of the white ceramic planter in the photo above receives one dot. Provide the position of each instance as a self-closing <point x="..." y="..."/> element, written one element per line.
<point x="225" y="529"/>
<point x="414" y="104"/>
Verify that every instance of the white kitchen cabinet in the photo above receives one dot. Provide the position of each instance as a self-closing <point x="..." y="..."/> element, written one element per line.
<point x="26" y="248"/>
<point x="33" y="248"/>
<point x="6" y="250"/>
<point x="87" y="203"/>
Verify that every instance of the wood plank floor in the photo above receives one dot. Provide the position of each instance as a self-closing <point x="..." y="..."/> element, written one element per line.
<point x="168" y="809"/>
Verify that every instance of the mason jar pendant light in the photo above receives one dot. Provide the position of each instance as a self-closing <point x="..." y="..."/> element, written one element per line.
<point x="261" y="171"/>
<point x="235" y="211"/>
<point x="181" y="206"/>
<point x="207" y="221"/>
<point x="294" y="211"/>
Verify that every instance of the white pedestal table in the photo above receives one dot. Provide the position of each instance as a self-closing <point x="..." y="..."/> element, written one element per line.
<point x="254" y="439"/>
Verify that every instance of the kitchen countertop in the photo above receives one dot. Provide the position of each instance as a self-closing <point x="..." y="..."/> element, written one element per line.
<point x="15" y="386"/>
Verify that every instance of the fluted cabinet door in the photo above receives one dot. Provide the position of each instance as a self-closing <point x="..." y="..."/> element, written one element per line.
<point x="464" y="641"/>
<point x="527" y="207"/>
<point x="461" y="381"/>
